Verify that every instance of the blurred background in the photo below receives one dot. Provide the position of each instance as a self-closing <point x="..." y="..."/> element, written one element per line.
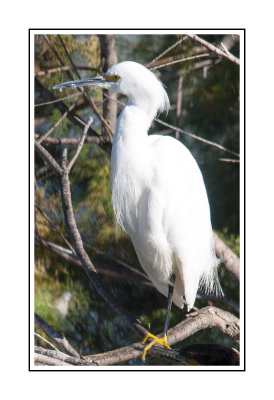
<point x="204" y="98"/>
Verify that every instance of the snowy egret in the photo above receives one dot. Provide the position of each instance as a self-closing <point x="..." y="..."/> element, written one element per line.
<point x="158" y="193"/>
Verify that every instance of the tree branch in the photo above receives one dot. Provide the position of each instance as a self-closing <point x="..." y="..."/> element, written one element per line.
<point x="69" y="141"/>
<point x="230" y="260"/>
<point x="215" y="49"/>
<point x="83" y="256"/>
<point x="61" y="341"/>
<point x="207" y="317"/>
<point x="80" y="145"/>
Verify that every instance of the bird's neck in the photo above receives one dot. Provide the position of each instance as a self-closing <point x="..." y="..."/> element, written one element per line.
<point x="130" y="150"/>
<point x="132" y="126"/>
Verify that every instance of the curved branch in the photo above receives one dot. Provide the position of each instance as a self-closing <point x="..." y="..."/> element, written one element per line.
<point x="208" y="317"/>
<point x="83" y="256"/>
<point x="230" y="260"/>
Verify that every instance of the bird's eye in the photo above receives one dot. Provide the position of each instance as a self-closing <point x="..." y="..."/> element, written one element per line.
<point x="112" y="78"/>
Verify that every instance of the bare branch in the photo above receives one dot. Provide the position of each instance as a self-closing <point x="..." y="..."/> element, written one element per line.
<point x="207" y="317"/>
<point x="109" y="58"/>
<point x="128" y="273"/>
<point x="43" y="137"/>
<point x="83" y="256"/>
<point x="74" y="118"/>
<point x="231" y="160"/>
<point x="60" y="233"/>
<point x="179" y="60"/>
<point x="179" y="102"/>
<point x="57" y="100"/>
<point x="80" y="144"/>
<point x="64" y="69"/>
<point x="209" y="142"/>
<point x="45" y="340"/>
<point x="40" y="359"/>
<point x="58" y="355"/>
<point x="61" y="341"/>
<point x="230" y="260"/>
<point x="85" y="92"/>
<point x="166" y="51"/>
<point x="48" y="158"/>
<point x="68" y="141"/>
<point x="215" y="49"/>
<point x="176" y="129"/>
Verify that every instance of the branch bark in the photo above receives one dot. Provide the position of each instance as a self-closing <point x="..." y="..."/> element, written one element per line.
<point x="61" y="341"/>
<point x="109" y="58"/>
<point x="207" y="317"/>
<point x="215" y="49"/>
<point x="230" y="260"/>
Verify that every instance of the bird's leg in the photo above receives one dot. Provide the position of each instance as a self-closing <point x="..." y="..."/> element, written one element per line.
<point x="162" y="341"/>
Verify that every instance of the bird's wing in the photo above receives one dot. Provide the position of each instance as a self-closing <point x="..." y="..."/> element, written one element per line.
<point x="180" y="191"/>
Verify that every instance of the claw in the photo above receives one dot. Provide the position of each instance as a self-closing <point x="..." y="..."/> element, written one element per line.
<point x="162" y="341"/>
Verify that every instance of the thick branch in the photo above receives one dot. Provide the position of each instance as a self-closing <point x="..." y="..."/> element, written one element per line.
<point x="109" y="58"/>
<point x="48" y="158"/>
<point x="58" y="355"/>
<point x="40" y="359"/>
<point x="208" y="317"/>
<point x="84" y="258"/>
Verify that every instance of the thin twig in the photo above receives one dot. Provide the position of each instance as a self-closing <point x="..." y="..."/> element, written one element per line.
<point x="55" y="227"/>
<point x="74" y="118"/>
<point x="45" y="340"/>
<point x="43" y="137"/>
<point x="85" y="92"/>
<point x="64" y="69"/>
<point x="175" y="128"/>
<point x="80" y="144"/>
<point x="69" y="141"/>
<point x="166" y="51"/>
<point x="209" y="142"/>
<point x="176" y="61"/>
<point x="215" y="49"/>
<point x="231" y="160"/>
<point x="57" y="100"/>
<point x="133" y="275"/>
<point x="179" y="102"/>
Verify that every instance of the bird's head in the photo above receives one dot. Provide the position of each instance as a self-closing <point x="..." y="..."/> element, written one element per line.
<point x="139" y="84"/>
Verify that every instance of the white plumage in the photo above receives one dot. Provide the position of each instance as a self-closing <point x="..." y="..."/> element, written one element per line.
<point x="158" y="192"/>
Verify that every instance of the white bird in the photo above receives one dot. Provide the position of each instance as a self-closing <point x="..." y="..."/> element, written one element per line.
<point x="158" y="193"/>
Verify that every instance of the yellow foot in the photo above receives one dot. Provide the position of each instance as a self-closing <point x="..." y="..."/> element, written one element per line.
<point x="162" y="341"/>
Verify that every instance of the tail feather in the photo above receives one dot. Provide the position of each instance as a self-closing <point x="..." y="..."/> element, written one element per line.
<point x="209" y="282"/>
